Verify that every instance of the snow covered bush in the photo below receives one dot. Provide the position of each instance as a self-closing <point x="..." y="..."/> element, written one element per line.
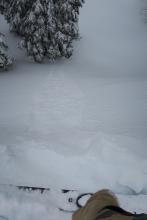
<point x="5" y="60"/>
<point x="48" y="27"/>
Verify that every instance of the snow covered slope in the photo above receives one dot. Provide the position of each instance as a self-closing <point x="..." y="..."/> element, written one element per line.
<point x="80" y="123"/>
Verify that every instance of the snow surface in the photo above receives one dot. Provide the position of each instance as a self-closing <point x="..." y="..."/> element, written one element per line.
<point x="78" y="123"/>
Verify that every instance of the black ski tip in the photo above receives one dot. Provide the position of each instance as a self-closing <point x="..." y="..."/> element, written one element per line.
<point x="33" y="188"/>
<point x="67" y="190"/>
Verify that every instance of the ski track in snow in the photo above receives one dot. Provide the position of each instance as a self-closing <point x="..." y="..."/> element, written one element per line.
<point x="78" y="123"/>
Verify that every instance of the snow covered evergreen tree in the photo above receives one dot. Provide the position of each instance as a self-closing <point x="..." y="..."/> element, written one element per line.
<point x="5" y="60"/>
<point x="48" y="27"/>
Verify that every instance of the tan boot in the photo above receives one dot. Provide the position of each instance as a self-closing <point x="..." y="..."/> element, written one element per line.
<point x="103" y="205"/>
<point x="96" y="203"/>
